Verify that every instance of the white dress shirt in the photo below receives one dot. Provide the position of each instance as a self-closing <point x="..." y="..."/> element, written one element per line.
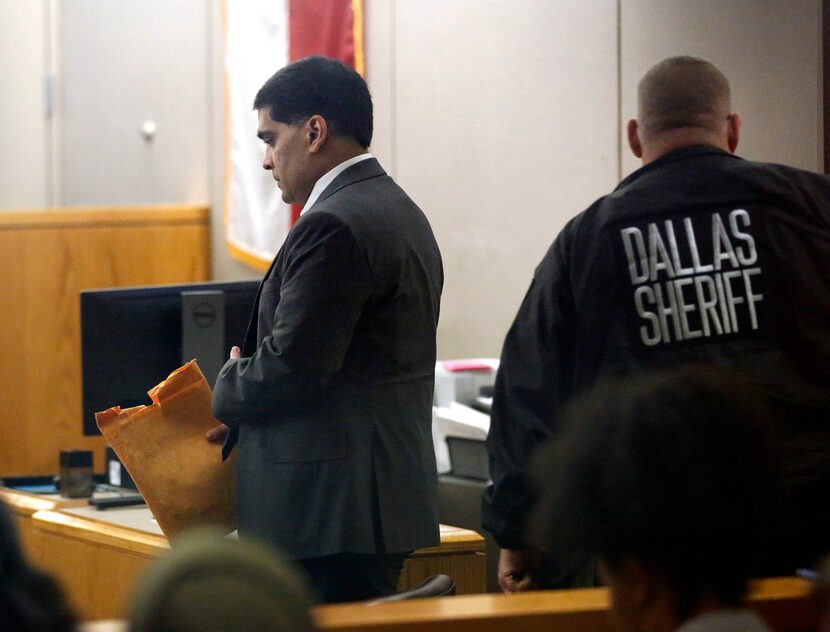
<point x="329" y="177"/>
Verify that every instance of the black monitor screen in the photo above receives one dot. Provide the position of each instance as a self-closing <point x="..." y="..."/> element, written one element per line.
<point x="131" y="339"/>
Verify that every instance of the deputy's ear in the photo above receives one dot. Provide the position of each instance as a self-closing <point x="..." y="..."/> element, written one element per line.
<point x="733" y="130"/>
<point x="633" y="131"/>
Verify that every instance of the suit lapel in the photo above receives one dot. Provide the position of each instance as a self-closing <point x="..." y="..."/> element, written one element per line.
<point x="363" y="170"/>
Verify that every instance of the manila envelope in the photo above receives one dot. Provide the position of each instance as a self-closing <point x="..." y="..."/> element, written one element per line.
<point x="163" y="446"/>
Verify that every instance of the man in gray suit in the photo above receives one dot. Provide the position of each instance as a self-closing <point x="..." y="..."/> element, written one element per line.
<point x="329" y="399"/>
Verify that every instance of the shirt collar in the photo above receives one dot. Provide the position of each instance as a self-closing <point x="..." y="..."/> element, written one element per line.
<point x="329" y="177"/>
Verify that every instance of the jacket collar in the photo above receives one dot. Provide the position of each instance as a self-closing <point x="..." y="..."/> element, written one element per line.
<point x="363" y="170"/>
<point x="675" y="155"/>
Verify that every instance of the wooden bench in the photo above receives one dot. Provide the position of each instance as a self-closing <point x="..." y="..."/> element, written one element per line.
<point x="785" y="603"/>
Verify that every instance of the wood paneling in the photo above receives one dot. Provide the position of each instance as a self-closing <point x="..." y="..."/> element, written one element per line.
<point x="96" y="563"/>
<point x="48" y="258"/>
<point x="460" y="555"/>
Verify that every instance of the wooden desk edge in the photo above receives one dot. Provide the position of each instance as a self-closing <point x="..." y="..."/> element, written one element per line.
<point x="454" y="539"/>
<point x="97" y="216"/>
<point x="24" y="503"/>
<point x="100" y="532"/>
<point x="50" y="518"/>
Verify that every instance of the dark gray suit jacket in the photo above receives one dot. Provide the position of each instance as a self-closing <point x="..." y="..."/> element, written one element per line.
<point x="331" y="403"/>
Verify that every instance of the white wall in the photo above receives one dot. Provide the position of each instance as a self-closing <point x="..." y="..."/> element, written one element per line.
<point x="769" y="50"/>
<point x="503" y="125"/>
<point x="502" y="118"/>
<point x="24" y="127"/>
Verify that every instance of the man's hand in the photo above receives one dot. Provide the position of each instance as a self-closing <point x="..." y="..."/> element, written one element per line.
<point x="217" y="434"/>
<point x="516" y="570"/>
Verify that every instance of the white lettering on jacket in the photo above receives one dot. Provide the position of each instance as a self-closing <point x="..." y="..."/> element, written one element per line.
<point x="680" y="296"/>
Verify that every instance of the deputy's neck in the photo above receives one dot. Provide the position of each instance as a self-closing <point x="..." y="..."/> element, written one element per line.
<point x="665" y="142"/>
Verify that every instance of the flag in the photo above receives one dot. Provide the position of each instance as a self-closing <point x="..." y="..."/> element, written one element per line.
<point x="261" y="36"/>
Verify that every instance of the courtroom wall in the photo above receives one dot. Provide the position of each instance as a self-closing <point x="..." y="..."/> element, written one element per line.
<point x="24" y="129"/>
<point x="502" y="118"/>
<point x="501" y="122"/>
<point x="770" y="51"/>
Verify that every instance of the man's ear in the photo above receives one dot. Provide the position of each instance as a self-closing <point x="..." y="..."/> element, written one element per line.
<point x="733" y="131"/>
<point x="633" y="131"/>
<point x="317" y="130"/>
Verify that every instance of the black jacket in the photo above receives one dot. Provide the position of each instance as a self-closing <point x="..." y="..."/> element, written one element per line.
<point x="698" y="256"/>
<point x="332" y="399"/>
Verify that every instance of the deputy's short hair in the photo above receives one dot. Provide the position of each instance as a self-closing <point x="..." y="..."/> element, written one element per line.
<point x="682" y="92"/>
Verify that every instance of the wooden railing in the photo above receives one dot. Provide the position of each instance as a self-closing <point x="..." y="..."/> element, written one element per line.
<point x="784" y="602"/>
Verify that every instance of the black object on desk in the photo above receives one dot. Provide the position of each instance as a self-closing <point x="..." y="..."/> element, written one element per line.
<point x="76" y="480"/>
<point x="118" y="501"/>
<point x="117" y="474"/>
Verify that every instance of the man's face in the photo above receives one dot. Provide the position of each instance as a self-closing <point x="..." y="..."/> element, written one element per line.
<point x="286" y="156"/>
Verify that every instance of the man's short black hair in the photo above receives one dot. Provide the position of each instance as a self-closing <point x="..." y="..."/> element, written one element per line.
<point x="674" y="470"/>
<point x="318" y="85"/>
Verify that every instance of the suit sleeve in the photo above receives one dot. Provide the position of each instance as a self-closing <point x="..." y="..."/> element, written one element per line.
<point x="325" y="284"/>
<point x="532" y="382"/>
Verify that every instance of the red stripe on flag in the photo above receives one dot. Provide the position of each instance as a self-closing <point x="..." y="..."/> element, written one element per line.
<point x="295" y="213"/>
<point x="320" y="28"/>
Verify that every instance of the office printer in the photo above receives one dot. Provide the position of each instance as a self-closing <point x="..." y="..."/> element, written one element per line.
<point x="461" y="416"/>
<point x="460" y="422"/>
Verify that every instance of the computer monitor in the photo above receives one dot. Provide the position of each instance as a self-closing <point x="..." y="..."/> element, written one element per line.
<point x="132" y="338"/>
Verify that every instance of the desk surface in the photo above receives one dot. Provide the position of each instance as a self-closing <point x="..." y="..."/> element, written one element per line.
<point x="24" y="503"/>
<point x="137" y="517"/>
<point x="96" y="554"/>
<point x="27" y="503"/>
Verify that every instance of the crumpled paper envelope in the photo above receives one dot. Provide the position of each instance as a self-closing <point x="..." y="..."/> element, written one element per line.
<point x="181" y="476"/>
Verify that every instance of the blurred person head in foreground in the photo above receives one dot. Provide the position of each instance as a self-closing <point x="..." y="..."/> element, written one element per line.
<point x="667" y="480"/>
<point x="30" y="600"/>
<point x="212" y="584"/>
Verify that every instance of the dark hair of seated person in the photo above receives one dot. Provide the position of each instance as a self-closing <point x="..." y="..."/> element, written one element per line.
<point x="673" y="470"/>
<point x="30" y="601"/>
